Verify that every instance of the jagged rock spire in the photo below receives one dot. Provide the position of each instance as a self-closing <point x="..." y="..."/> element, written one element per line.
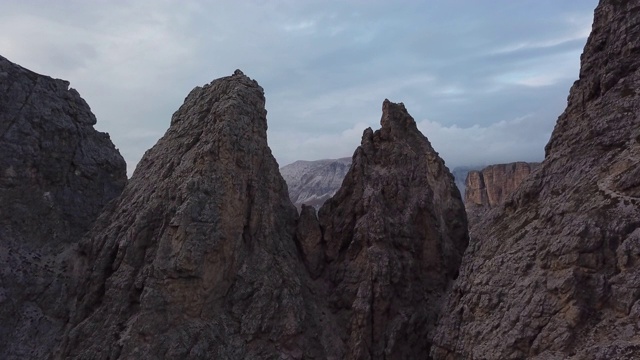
<point x="393" y="238"/>
<point x="197" y="257"/>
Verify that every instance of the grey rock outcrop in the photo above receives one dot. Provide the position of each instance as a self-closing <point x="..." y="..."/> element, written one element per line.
<point x="56" y="175"/>
<point x="197" y="257"/>
<point x="393" y="239"/>
<point x="490" y="186"/>
<point x="554" y="272"/>
<point x="313" y="182"/>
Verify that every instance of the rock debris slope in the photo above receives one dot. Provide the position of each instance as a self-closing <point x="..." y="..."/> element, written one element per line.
<point x="554" y="272"/>
<point x="393" y="239"/>
<point x="56" y="174"/>
<point x="197" y="258"/>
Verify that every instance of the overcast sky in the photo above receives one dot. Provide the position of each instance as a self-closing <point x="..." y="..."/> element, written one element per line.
<point x="485" y="80"/>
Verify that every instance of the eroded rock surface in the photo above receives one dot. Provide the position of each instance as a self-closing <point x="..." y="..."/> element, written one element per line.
<point x="56" y="175"/>
<point x="197" y="258"/>
<point x="554" y="272"/>
<point x="393" y="238"/>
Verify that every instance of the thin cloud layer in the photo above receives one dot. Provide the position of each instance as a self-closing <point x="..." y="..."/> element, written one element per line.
<point x="474" y="70"/>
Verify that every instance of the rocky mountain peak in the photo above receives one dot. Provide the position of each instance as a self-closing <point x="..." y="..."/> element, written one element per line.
<point x="610" y="55"/>
<point x="313" y="182"/>
<point x="393" y="238"/>
<point x="396" y="119"/>
<point x="198" y="255"/>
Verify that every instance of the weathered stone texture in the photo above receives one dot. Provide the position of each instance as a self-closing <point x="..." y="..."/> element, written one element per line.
<point x="554" y="272"/>
<point x="490" y="186"/>
<point x="56" y="175"/>
<point x="394" y="235"/>
<point x="197" y="258"/>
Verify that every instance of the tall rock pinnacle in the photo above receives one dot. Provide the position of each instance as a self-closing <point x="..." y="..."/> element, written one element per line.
<point x="197" y="257"/>
<point x="554" y="272"/>
<point x="393" y="239"/>
<point x="56" y="175"/>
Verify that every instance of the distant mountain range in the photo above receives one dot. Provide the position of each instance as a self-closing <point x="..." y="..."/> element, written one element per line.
<point x="313" y="182"/>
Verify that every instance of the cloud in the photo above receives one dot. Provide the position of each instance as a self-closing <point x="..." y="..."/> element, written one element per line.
<point x="520" y="139"/>
<point x="306" y="146"/>
<point x="325" y="66"/>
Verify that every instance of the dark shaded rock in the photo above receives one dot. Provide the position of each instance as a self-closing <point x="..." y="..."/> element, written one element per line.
<point x="197" y="258"/>
<point x="460" y="175"/>
<point x="554" y="272"/>
<point x="56" y="175"/>
<point x="394" y="235"/>
<point x="309" y="237"/>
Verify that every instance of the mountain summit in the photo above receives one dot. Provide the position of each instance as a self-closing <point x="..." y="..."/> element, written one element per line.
<point x="57" y="173"/>
<point x="393" y="239"/>
<point x="197" y="257"/>
<point x="203" y="255"/>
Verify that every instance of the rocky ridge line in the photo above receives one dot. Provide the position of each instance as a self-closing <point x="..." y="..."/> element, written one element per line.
<point x="203" y="253"/>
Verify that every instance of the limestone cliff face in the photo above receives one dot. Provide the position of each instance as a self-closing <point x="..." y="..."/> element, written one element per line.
<point x="56" y="174"/>
<point x="196" y="258"/>
<point x="393" y="238"/>
<point x="554" y="272"/>
<point x="489" y="187"/>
